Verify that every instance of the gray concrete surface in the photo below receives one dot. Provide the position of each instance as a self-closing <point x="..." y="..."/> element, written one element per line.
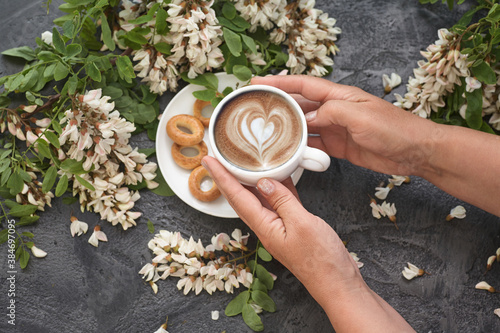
<point x="78" y="288"/>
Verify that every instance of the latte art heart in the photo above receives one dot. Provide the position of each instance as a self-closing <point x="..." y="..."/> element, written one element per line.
<point x="258" y="131"/>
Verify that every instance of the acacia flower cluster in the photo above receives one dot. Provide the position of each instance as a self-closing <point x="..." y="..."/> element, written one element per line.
<point x="193" y="34"/>
<point x="438" y="76"/>
<point x="96" y="135"/>
<point x="435" y="77"/>
<point x="197" y="266"/>
<point x="310" y="36"/>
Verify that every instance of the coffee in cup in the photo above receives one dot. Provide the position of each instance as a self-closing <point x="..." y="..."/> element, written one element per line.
<point x="258" y="130"/>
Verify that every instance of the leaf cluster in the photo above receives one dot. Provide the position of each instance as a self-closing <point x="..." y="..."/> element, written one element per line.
<point x="257" y="294"/>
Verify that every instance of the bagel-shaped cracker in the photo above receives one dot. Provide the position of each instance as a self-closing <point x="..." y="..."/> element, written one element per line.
<point x="189" y="162"/>
<point x="182" y="138"/>
<point x="195" y="179"/>
<point x="197" y="108"/>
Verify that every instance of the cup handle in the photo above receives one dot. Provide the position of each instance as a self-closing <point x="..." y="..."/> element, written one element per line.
<point x="315" y="160"/>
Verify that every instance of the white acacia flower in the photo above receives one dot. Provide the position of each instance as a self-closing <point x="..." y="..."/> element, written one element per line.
<point x="47" y="37"/>
<point x="390" y="82"/>
<point x="399" y="180"/>
<point x="377" y="211"/>
<point x="382" y="192"/>
<point x="239" y="241"/>
<point x="220" y="241"/>
<point x="457" y="212"/>
<point x="389" y="210"/>
<point x="412" y="271"/>
<point x="490" y="262"/>
<point x="356" y="259"/>
<point x="78" y="227"/>
<point x="497" y="312"/>
<point x="472" y="84"/>
<point x="154" y="286"/>
<point x="483" y="285"/>
<point x="97" y="236"/>
<point x="39" y="253"/>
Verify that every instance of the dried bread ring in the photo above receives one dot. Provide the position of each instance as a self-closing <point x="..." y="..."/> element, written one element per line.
<point x="195" y="179"/>
<point x="191" y="123"/>
<point x="197" y="108"/>
<point x="189" y="162"/>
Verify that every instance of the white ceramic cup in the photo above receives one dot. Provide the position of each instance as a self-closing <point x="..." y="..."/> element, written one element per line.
<point x="306" y="157"/>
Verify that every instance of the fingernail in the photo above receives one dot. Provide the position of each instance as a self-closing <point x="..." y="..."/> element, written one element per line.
<point x="265" y="186"/>
<point x="205" y="165"/>
<point x="310" y="116"/>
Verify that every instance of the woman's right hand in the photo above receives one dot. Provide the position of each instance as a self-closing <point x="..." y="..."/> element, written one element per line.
<point x="358" y="126"/>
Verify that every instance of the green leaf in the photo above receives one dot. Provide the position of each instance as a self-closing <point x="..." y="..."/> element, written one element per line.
<point x="61" y="71"/>
<point x="151" y="227"/>
<point x="72" y="84"/>
<point x="163" y="48"/>
<point x="4" y="236"/>
<point x="57" y="41"/>
<point x="147" y="151"/>
<point x="107" y="35"/>
<point x="208" y="80"/>
<point x="236" y="305"/>
<point x="474" y="112"/>
<point x="145" y="114"/>
<point x="241" y="22"/>
<point x="93" y="72"/>
<point x="242" y="72"/>
<point x="22" y="210"/>
<point x="264" y="276"/>
<point x="27" y="234"/>
<point x="486" y="128"/>
<point x="257" y="285"/>
<point x="233" y="41"/>
<point x="5" y="177"/>
<point x="484" y="73"/>
<point x="163" y="189"/>
<point x="205" y="95"/>
<point x="27" y="220"/>
<point x="73" y="50"/>
<point x="263" y="254"/>
<point x="15" y="183"/>
<point x="263" y="299"/>
<point x="249" y="42"/>
<point x="72" y="166"/>
<point x="49" y="179"/>
<point x="69" y="200"/>
<point x="69" y="30"/>
<point x="228" y="10"/>
<point x="62" y="186"/>
<point x="43" y="149"/>
<point x="136" y="37"/>
<point x="24" y="258"/>
<point x="125" y="68"/>
<point x="251" y="318"/>
<point x="52" y="139"/>
<point x="24" y="52"/>
<point x="161" y="21"/>
<point x="85" y="183"/>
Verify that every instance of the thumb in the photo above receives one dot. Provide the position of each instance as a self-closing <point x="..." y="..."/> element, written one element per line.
<point x="281" y="199"/>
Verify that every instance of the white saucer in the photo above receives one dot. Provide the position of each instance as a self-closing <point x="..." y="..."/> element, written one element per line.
<point x="177" y="177"/>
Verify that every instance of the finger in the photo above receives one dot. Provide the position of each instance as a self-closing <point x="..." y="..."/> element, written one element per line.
<point x="305" y="104"/>
<point x="313" y="88"/>
<point x="283" y="201"/>
<point x="288" y="183"/>
<point x="334" y="112"/>
<point x="243" y="202"/>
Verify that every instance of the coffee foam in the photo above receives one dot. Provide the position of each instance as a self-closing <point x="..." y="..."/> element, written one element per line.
<point x="258" y="131"/>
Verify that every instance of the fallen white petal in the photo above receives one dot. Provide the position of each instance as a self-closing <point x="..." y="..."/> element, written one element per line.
<point x="215" y="315"/>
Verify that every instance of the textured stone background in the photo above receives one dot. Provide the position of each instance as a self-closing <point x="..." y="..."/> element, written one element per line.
<point x="78" y="288"/>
